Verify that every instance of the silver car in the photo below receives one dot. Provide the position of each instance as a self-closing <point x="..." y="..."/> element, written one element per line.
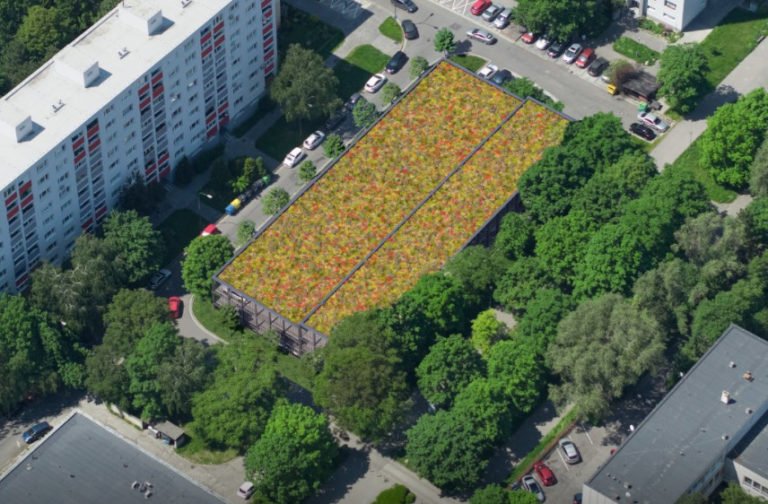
<point x="530" y="484"/>
<point x="653" y="121"/>
<point x="503" y="19"/>
<point x="572" y="53"/>
<point x="491" y="12"/>
<point x="570" y="452"/>
<point x="481" y="35"/>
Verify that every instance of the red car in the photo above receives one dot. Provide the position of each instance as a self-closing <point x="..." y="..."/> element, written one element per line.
<point x="529" y="37"/>
<point x="174" y="307"/>
<point x="544" y="473"/>
<point x="585" y="58"/>
<point x="479" y="7"/>
<point x="209" y="230"/>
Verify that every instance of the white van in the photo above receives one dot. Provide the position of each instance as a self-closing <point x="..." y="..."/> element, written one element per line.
<point x="503" y="19"/>
<point x="246" y="490"/>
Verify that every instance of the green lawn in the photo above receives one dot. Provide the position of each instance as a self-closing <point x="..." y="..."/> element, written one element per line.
<point x="391" y="29"/>
<point x="468" y="61"/>
<point x="689" y="163"/>
<point x="732" y="40"/>
<point x="352" y="72"/>
<point x="298" y="27"/>
<point x="196" y="451"/>
<point x="180" y="228"/>
<point x="635" y="50"/>
<point x="296" y="370"/>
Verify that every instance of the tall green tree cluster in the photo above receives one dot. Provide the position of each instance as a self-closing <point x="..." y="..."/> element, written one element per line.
<point x="683" y="75"/>
<point x="565" y="19"/>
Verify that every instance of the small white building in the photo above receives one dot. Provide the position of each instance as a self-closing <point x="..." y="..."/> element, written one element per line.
<point x="150" y="82"/>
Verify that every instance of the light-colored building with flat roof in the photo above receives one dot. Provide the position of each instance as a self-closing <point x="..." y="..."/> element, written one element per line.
<point x="149" y="83"/>
<point x="676" y="14"/>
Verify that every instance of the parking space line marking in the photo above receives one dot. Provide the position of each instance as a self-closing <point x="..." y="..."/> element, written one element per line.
<point x="586" y="433"/>
<point x="562" y="460"/>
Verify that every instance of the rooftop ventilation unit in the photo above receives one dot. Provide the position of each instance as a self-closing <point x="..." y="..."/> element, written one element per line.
<point x="185" y="3"/>
<point x="748" y="376"/>
<point x="748" y="411"/>
<point x="57" y="106"/>
<point x="123" y="52"/>
<point x="732" y="365"/>
<point x="725" y="397"/>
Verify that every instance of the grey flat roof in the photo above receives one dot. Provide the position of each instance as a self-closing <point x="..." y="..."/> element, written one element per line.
<point x="682" y="437"/>
<point x="82" y="462"/>
<point x="752" y="451"/>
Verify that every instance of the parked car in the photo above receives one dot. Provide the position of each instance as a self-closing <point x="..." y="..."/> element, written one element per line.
<point x="642" y="131"/>
<point x="572" y="53"/>
<point x="529" y="37"/>
<point x="246" y="490"/>
<point x="294" y="157"/>
<point x="501" y="77"/>
<point x="577" y="498"/>
<point x="159" y="278"/>
<point x="375" y="82"/>
<point x="335" y="120"/>
<point x="488" y="71"/>
<point x="209" y="230"/>
<point x="479" y="7"/>
<point x="481" y="35"/>
<point x="570" y="452"/>
<point x="36" y="432"/>
<point x="544" y="42"/>
<point x="406" y="5"/>
<point x="545" y="474"/>
<point x="556" y="49"/>
<point x="503" y="19"/>
<point x="396" y="62"/>
<point x="174" y="307"/>
<point x="597" y="67"/>
<point x="356" y="97"/>
<point x="491" y="12"/>
<point x="410" y="32"/>
<point x="314" y="140"/>
<point x="585" y="58"/>
<point x="653" y="121"/>
<point x="529" y="483"/>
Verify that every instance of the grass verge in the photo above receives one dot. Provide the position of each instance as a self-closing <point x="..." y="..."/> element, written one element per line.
<point x="391" y="29"/>
<point x="299" y="27"/>
<point x="294" y="369"/>
<point x="196" y="451"/>
<point x="732" y="40"/>
<point x="398" y="494"/>
<point x="468" y="61"/>
<point x="689" y="162"/>
<point x="546" y="444"/>
<point x="635" y="50"/>
<point x="180" y="228"/>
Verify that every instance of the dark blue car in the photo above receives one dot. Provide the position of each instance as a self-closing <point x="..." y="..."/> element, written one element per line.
<point x="36" y="432"/>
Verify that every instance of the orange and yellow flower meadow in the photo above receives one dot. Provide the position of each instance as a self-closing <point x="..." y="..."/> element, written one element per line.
<point x="323" y="235"/>
<point x="449" y="219"/>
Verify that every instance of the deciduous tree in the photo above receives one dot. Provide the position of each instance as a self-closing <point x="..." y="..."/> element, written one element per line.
<point x="419" y="65"/>
<point x="519" y="368"/>
<point x="602" y="347"/>
<point x="294" y="456"/>
<point x="203" y="256"/>
<point x="520" y="283"/>
<point x="564" y="19"/>
<point x="487" y="330"/>
<point x="491" y="494"/>
<point x="515" y="237"/>
<point x="143" y="365"/>
<point x="538" y="326"/>
<point x="444" y="41"/>
<point x="364" y="113"/>
<point x="181" y="375"/>
<point x="275" y="200"/>
<point x="304" y="87"/>
<point x="389" y="92"/>
<point x="333" y="145"/>
<point x="758" y="172"/>
<point x="139" y="247"/>
<point x="307" y="171"/>
<point x="451" y="364"/>
<point x="683" y="75"/>
<point x="245" y="232"/>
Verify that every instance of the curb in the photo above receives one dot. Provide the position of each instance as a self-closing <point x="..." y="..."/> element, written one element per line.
<point x="201" y="326"/>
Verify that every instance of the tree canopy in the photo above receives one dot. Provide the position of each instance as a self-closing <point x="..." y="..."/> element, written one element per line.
<point x="682" y="75"/>
<point x="487" y="330"/>
<point x="519" y="368"/>
<point x="444" y="41"/>
<point x="364" y="113"/>
<point x="293" y="456"/>
<point x="515" y="237"/>
<point x="304" y="87"/>
<point x="275" y="200"/>
<point x="451" y="364"/>
<point x="203" y="256"/>
<point x="602" y="347"/>
<point x="734" y="133"/>
<point x="564" y="19"/>
<point x="138" y="246"/>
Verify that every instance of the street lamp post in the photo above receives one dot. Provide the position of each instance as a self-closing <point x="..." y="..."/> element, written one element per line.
<point x="209" y="196"/>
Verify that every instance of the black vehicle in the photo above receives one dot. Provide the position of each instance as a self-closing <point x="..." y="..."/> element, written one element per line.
<point x="36" y="432"/>
<point x="335" y="120"/>
<point x="407" y="5"/>
<point x="642" y="131"/>
<point x="557" y="48"/>
<point x="502" y="76"/>
<point x="409" y="30"/>
<point x="396" y="62"/>
<point x="597" y="67"/>
<point x="352" y="101"/>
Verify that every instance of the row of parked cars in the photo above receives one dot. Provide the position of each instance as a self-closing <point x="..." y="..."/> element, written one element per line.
<point x="545" y="475"/>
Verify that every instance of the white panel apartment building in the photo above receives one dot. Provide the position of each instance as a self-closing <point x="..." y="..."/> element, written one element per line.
<point x="152" y="81"/>
<point x="676" y="14"/>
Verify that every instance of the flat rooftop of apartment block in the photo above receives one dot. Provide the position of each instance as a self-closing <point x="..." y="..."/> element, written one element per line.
<point x="689" y="429"/>
<point x="82" y="462"/>
<point x="90" y="72"/>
